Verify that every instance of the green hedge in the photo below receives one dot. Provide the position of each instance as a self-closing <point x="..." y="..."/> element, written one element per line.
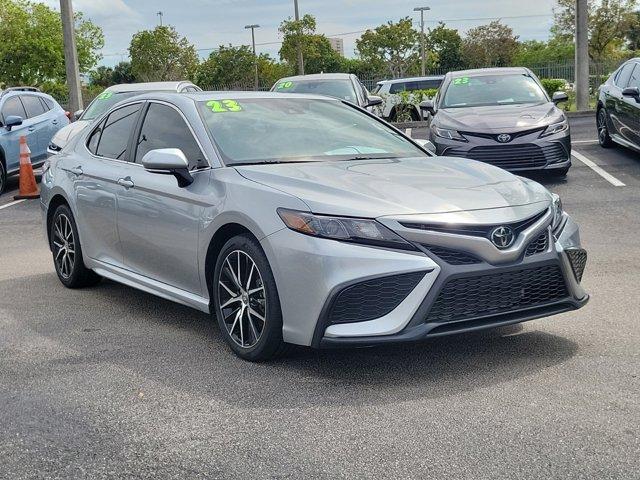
<point x="552" y="85"/>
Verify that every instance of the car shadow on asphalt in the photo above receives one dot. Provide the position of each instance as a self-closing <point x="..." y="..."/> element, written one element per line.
<point x="180" y="348"/>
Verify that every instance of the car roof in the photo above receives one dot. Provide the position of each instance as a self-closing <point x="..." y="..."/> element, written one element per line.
<point x="411" y="79"/>
<point x="318" y="76"/>
<point x="226" y="95"/>
<point x="135" y="87"/>
<point x="478" y="72"/>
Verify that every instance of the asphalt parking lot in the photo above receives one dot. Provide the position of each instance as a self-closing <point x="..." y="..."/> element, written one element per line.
<point x="110" y="382"/>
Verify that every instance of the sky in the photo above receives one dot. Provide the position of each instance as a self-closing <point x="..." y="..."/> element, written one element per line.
<point x="210" y="23"/>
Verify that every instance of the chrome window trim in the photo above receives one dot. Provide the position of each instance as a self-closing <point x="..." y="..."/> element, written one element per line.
<point x="98" y="122"/>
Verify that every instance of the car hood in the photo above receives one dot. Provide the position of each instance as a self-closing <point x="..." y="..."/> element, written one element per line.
<point x="66" y="133"/>
<point x="375" y="188"/>
<point x="498" y="118"/>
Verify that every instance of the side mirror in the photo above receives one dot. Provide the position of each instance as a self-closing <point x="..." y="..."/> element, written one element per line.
<point x="427" y="106"/>
<point x="78" y="114"/>
<point x="169" y="161"/>
<point x="559" y="97"/>
<point x="12" y="121"/>
<point x="632" y="92"/>
<point x="426" y="144"/>
<point x="374" y="100"/>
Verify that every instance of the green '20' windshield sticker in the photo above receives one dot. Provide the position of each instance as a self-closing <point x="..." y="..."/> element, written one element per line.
<point x="219" y="106"/>
<point x="284" y="85"/>
<point x="461" y="81"/>
<point x="105" y="95"/>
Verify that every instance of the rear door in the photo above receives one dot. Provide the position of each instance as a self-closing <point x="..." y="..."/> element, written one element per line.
<point x="615" y="103"/>
<point x="39" y="120"/>
<point x="12" y="106"/>
<point x="95" y="175"/>
<point x="630" y="110"/>
<point x="158" y="221"/>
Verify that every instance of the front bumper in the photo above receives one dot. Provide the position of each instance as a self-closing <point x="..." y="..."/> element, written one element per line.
<point x="312" y="274"/>
<point x="523" y="153"/>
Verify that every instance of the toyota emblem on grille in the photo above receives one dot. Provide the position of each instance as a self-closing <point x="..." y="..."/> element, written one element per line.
<point x="504" y="138"/>
<point x="502" y="237"/>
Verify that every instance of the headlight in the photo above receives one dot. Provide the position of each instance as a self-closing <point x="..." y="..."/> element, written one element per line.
<point x="558" y="214"/>
<point x="358" y="230"/>
<point x="448" y="134"/>
<point x="556" y="128"/>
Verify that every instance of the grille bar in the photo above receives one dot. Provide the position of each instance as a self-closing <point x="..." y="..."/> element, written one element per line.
<point x="479" y="296"/>
<point x="514" y="156"/>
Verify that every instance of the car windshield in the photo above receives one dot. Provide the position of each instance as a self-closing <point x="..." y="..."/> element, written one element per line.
<point x="489" y="90"/>
<point x="286" y="129"/>
<point x="342" y="89"/>
<point x="104" y="102"/>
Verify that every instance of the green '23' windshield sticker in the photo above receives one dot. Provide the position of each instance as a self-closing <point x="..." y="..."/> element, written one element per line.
<point x="461" y="81"/>
<point x="105" y="95"/>
<point x="284" y="85"/>
<point x="220" y="106"/>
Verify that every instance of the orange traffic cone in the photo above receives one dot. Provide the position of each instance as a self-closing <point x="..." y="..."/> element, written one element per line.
<point x="28" y="186"/>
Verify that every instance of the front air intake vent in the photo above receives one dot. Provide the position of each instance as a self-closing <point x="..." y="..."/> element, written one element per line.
<point x="453" y="257"/>
<point x="373" y="298"/>
<point x="539" y="245"/>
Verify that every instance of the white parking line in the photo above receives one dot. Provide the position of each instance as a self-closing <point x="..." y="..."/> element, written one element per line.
<point x="599" y="170"/>
<point x="584" y="142"/>
<point x="408" y="132"/>
<point x="10" y="204"/>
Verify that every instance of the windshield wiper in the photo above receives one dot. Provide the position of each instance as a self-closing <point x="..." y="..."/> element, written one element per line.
<point x="368" y="157"/>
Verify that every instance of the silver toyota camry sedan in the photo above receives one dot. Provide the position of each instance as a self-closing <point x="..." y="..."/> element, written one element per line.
<point x="297" y="219"/>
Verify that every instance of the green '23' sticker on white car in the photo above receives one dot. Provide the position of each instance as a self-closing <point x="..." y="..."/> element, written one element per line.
<point x="105" y="95"/>
<point x="461" y="81"/>
<point x="221" y="106"/>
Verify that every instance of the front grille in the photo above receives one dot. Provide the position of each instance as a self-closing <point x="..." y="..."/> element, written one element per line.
<point x="578" y="261"/>
<point x="539" y="245"/>
<point x="497" y="293"/>
<point x="494" y="136"/>
<point x="514" y="156"/>
<point x="372" y="298"/>
<point x="453" y="257"/>
<point x="474" y="230"/>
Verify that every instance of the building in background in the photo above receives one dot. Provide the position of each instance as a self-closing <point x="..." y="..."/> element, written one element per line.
<point x="337" y="44"/>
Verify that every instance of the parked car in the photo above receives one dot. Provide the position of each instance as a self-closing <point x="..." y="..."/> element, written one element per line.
<point x="344" y="86"/>
<point x="300" y="219"/>
<point x="501" y="116"/>
<point x="391" y="90"/>
<point x="618" y="111"/>
<point x="108" y="99"/>
<point x="25" y="111"/>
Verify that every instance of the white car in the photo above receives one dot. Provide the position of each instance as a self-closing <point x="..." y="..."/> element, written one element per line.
<point x="108" y="99"/>
<point x="390" y="90"/>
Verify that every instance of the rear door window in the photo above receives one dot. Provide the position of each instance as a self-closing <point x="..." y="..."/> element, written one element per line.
<point x="114" y="140"/>
<point x="32" y="105"/>
<point x="622" y="80"/>
<point x="13" y="106"/>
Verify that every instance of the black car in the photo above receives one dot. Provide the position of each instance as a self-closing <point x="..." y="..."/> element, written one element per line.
<point x="618" y="112"/>
<point x="501" y="116"/>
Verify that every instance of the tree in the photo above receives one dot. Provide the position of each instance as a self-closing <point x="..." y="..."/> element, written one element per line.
<point x="534" y="52"/>
<point x="122" y="73"/>
<point x="490" y="45"/>
<point x="162" y="55"/>
<point x="446" y="43"/>
<point x="609" y="23"/>
<point x="102" y="76"/>
<point x="316" y="49"/>
<point x="32" y="49"/>
<point x="393" y="44"/>
<point x="633" y="34"/>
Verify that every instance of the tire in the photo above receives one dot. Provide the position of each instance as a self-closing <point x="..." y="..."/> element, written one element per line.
<point x="604" y="139"/>
<point x="3" y="177"/>
<point x="249" y="314"/>
<point x="67" y="251"/>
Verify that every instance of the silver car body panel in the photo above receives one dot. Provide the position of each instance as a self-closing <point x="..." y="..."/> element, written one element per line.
<point x="157" y="237"/>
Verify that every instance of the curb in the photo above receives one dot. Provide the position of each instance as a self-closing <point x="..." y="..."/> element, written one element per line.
<point x="401" y="125"/>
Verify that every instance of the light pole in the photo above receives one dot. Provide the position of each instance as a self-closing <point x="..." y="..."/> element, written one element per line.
<point x="160" y="16"/>
<point x="299" y="46"/>
<point x="255" y="58"/>
<point x="422" y="10"/>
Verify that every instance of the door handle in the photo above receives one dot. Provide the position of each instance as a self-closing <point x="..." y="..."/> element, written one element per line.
<point x="76" y="171"/>
<point x="126" y="182"/>
<point x="55" y="122"/>
<point x="32" y="129"/>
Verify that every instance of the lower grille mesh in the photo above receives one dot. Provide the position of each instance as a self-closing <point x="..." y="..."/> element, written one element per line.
<point x="578" y="260"/>
<point x="514" y="156"/>
<point x="373" y="298"/>
<point x="453" y="257"/>
<point x="492" y="294"/>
